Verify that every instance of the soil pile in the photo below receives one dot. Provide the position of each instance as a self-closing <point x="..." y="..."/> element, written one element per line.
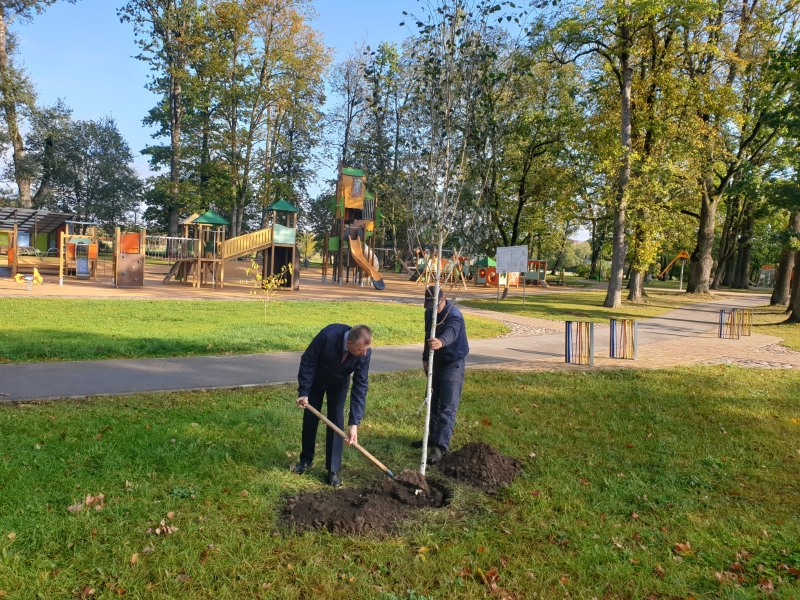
<point x="480" y="464"/>
<point x="377" y="508"/>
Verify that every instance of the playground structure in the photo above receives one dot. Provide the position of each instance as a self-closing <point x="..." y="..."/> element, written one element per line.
<point x="30" y="239"/>
<point x="683" y="256"/>
<point x="199" y="255"/>
<point x="451" y="270"/>
<point x="536" y="273"/>
<point x="129" y="257"/>
<point x="352" y="238"/>
<point x="78" y="251"/>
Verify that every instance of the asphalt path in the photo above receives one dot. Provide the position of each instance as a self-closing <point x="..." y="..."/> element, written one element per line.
<point x="54" y="380"/>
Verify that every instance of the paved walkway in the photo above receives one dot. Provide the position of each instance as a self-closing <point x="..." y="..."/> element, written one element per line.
<point x="683" y="336"/>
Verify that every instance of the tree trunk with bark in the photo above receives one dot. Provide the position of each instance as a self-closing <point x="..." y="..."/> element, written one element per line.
<point x="614" y="294"/>
<point x="176" y="121"/>
<point x="742" y="280"/>
<point x="701" y="260"/>
<point x="781" y="293"/>
<point x="9" y="105"/>
<point x="794" y="302"/>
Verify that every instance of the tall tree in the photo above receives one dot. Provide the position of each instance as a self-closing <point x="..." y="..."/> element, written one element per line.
<point x="166" y="32"/>
<point x="15" y="89"/>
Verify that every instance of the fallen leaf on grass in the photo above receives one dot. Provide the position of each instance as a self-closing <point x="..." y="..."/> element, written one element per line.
<point x="486" y="422"/>
<point x="134" y="559"/>
<point x="627" y="445"/>
<point x="634" y="561"/>
<point x="684" y="549"/>
<point x="481" y="549"/>
<point x="52" y="418"/>
<point x="634" y="515"/>
<point x="660" y="571"/>
<point x="244" y="493"/>
<point x="170" y="515"/>
<point x="3" y="592"/>
<point x="465" y="572"/>
<point x="96" y="502"/>
<point x="12" y="536"/>
<point x="766" y="586"/>
<point x="184" y="578"/>
<point x="203" y="556"/>
<point x="87" y="591"/>
<point x="163" y="529"/>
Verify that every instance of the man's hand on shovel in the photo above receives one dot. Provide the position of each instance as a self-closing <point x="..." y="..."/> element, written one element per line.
<point x="353" y="431"/>
<point x="351" y="438"/>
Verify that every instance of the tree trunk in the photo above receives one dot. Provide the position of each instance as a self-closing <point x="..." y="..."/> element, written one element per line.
<point x="729" y="269"/>
<point x="794" y="302"/>
<point x="176" y="119"/>
<point x="637" y="293"/>
<point x="783" y="278"/>
<point x="614" y="294"/>
<point x="701" y="260"/>
<point x="9" y="106"/>
<point x="742" y="281"/>
<point x="726" y="243"/>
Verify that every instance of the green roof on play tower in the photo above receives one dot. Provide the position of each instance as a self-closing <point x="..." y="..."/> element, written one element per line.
<point x="282" y="205"/>
<point x="210" y="218"/>
<point x="486" y="262"/>
<point x="353" y="172"/>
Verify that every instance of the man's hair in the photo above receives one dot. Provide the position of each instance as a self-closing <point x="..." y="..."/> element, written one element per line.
<point x="360" y="333"/>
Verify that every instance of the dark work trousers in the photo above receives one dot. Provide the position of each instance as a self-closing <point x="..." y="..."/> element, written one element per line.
<point x="448" y="379"/>
<point x="333" y="442"/>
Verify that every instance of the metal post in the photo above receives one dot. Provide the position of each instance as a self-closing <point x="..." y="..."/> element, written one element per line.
<point x="683" y="262"/>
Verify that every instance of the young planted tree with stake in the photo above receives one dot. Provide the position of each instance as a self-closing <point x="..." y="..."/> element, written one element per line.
<point x="446" y="58"/>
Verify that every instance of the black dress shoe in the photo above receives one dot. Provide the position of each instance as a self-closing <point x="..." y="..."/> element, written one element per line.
<point x="435" y="455"/>
<point x="302" y="467"/>
<point x="334" y="480"/>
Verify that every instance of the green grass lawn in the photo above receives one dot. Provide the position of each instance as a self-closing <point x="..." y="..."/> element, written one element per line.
<point x="56" y="329"/>
<point x="585" y="306"/>
<point x="659" y="484"/>
<point x="770" y="320"/>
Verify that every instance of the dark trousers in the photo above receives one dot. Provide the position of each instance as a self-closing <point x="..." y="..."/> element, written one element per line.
<point x="333" y="443"/>
<point x="448" y="380"/>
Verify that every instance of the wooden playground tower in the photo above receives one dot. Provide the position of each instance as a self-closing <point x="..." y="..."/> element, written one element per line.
<point x="200" y="254"/>
<point x="78" y="251"/>
<point x="355" y="214"/>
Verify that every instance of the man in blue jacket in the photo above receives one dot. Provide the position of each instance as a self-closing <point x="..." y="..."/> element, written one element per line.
<point x="450" y="348"/>
<point x="336" y="352"/>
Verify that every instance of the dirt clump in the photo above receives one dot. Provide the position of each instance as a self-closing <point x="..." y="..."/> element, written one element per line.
<point x="480" y="465"/>
<point x="375" y="509"/>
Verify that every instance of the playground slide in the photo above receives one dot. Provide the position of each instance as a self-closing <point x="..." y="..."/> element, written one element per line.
<point x="358" y="256"/>
<point x="82" y="268"/>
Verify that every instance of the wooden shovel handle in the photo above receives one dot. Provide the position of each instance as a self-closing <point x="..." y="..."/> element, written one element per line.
<point x="328" y="422"/>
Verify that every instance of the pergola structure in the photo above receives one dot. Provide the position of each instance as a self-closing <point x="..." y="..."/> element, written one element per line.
<point x="36" y="229"/>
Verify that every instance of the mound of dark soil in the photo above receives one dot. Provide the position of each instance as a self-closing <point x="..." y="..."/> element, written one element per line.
<point x="480" y="464"/>
<point x="377" y="508"/>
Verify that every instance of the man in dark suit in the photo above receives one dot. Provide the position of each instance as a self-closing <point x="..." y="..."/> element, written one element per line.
<point x="450" y="348"/>
<point x="336" y="352"/>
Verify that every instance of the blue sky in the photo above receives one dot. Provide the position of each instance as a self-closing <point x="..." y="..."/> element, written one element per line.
<point x="82" y="54"/>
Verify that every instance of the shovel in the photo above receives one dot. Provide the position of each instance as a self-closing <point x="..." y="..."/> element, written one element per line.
<point x="372" y="459"/>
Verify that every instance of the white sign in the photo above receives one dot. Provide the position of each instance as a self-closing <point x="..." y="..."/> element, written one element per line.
<point x="512" y="259"/>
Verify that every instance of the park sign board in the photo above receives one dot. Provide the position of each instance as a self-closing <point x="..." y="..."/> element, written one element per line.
<point x="512" y="259"/>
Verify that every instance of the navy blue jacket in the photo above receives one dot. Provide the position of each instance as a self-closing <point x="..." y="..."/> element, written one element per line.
<point x="322" y="364"/>
<point x="451" y="331"/>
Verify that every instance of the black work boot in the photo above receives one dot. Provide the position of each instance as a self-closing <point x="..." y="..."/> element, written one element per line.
<point x="418" y="444"/>
<point x="302" y="467"/>
<point x="334" y="480"/>
<point x="435" y="455"/>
